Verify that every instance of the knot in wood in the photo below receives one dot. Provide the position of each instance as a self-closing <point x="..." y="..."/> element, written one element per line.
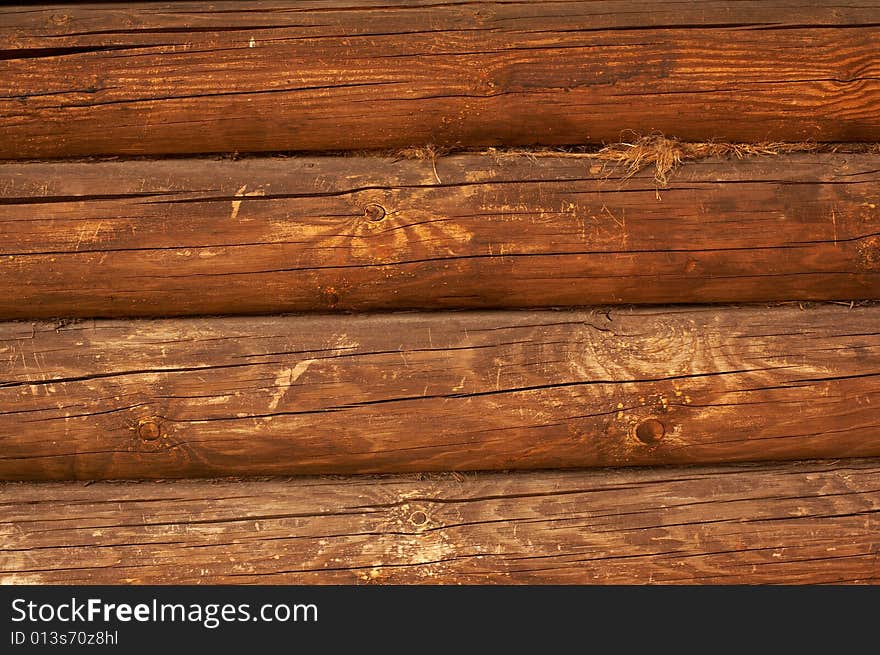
<point x="650" y="431"/>
<point x="374" y="212"/>
<point x="149" y="430"/>
<point x="418" y="518"/>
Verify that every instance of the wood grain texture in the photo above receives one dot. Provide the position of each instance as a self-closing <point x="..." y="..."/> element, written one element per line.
<point x="183" y="237"/>
<point x="453" y="391"/>
<point x="814" y="522"/>
<point x="192" y="77"/>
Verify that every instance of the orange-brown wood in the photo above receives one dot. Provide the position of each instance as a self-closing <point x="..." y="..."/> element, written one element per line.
<point x="802" y="523"/>
<point x="442" y="391"/>
<point x="179" y="237"/>
<point x="193" y="77"/>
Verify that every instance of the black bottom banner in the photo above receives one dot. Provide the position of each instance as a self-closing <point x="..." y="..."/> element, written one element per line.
<point x="400" y="619"/>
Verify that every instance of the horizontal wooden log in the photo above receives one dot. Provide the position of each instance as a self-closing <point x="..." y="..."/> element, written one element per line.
<point x="455" y="391"/>
<point x="194" y="77"/>
<point x="178" y="237"/>
<point x="813" y="522"/>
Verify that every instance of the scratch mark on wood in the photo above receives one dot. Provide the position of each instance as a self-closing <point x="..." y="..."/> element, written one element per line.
<point x="286" y="379"/>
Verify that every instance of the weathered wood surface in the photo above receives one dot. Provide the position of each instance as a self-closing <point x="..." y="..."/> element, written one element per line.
<point x="185" y="77"/>
<point x="453" y="391"/>
<point x="814" y="522"/>
<point x="182" y="237"/>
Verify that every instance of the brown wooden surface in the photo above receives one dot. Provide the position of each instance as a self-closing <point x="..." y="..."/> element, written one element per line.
<point x="813" y="522"/>
<point x="443" y="391"/>
<point x="157" y="78"/>
<point x="181" y="237"/>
